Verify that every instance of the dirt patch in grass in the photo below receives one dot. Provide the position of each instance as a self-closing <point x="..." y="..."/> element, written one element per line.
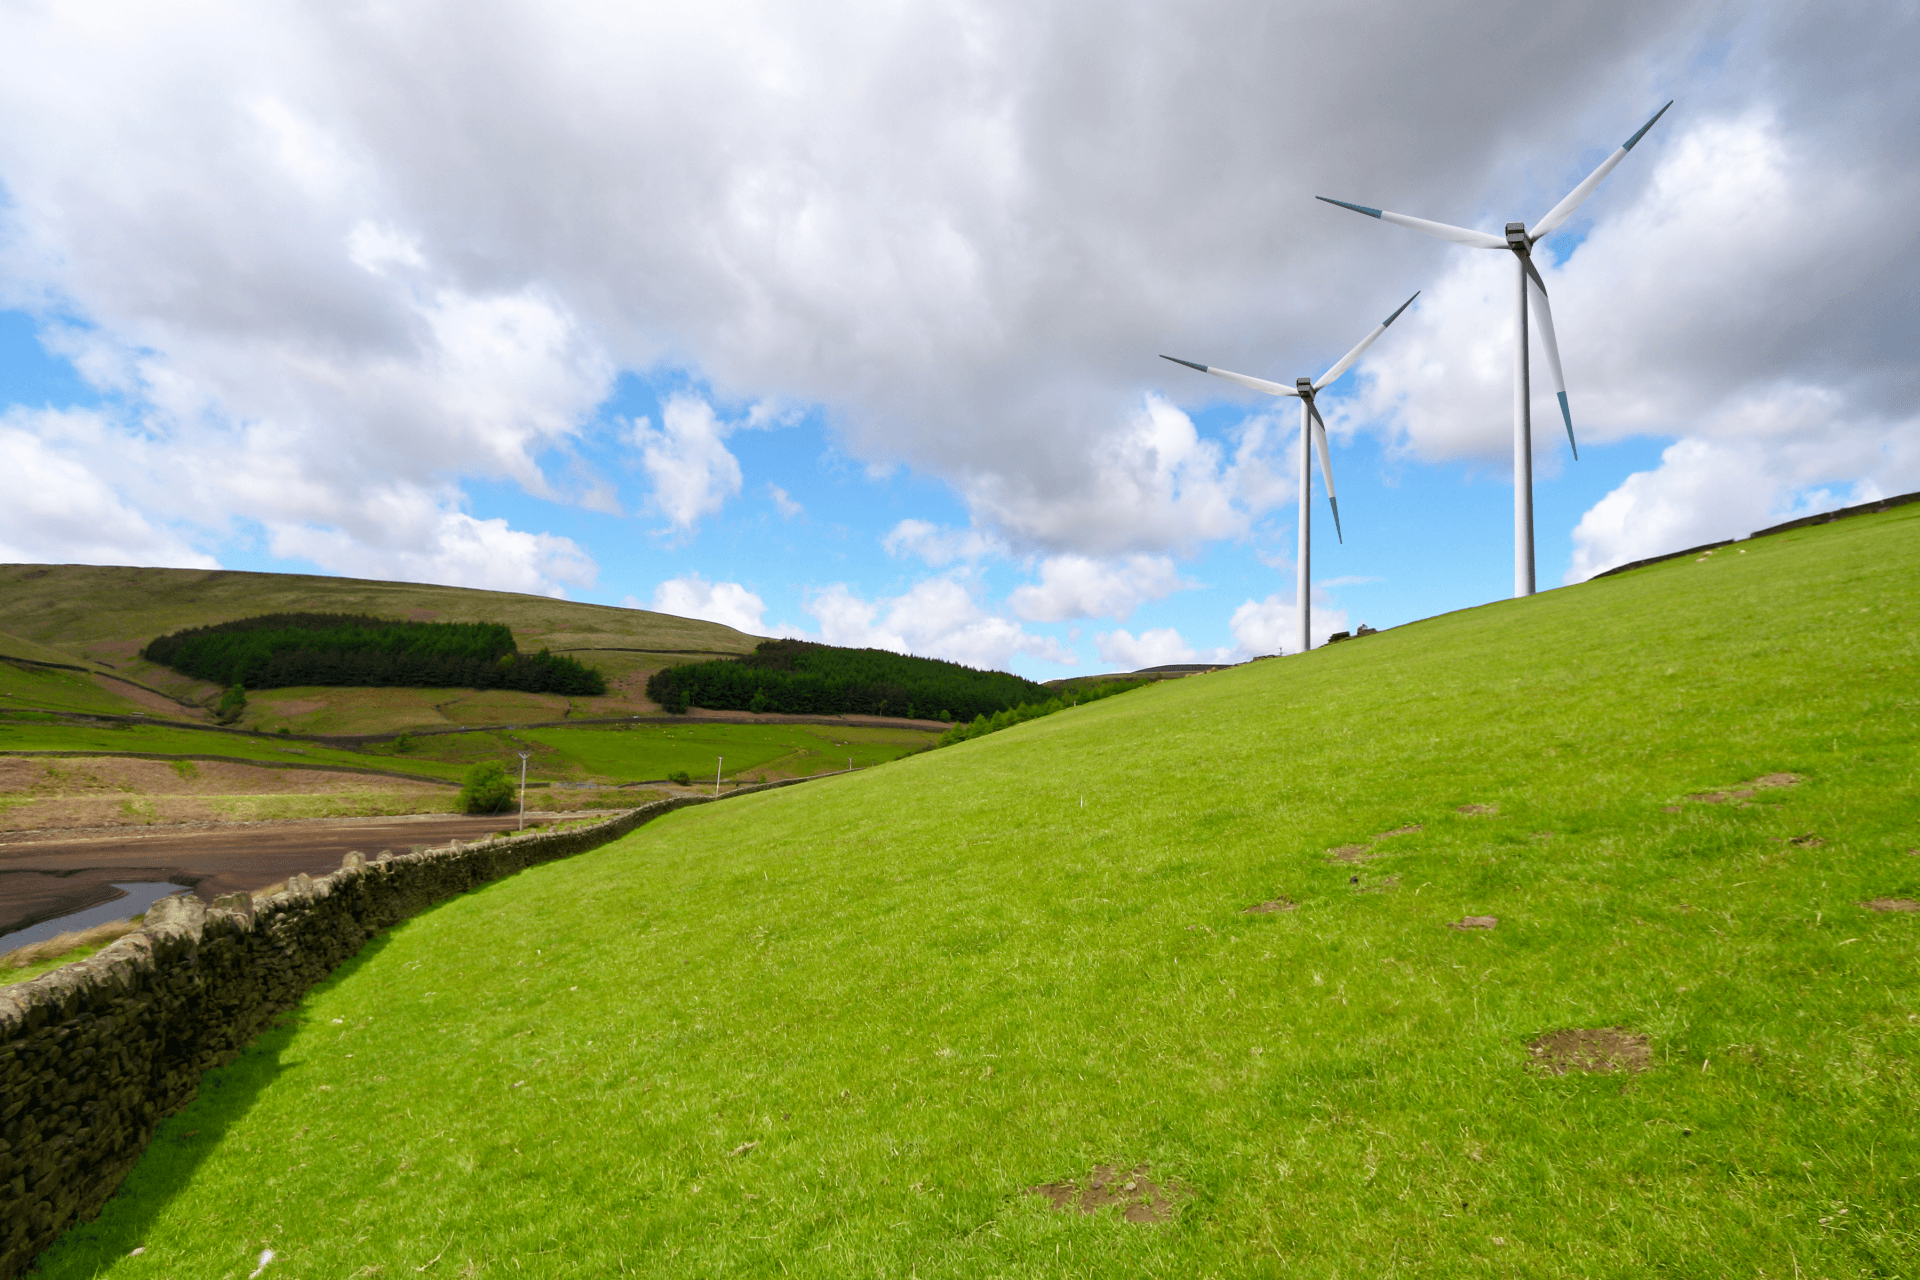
<point x="1268" y="908"/>
<point x="1480" y="810"/>
<point x="1746" y="790"/>
<point x="1144" y="1199"/>
<point x="1349" y="853"/>
<point x="1407" y="830"/>
<point x="1807" y="841"/>
<point x="1475" y="922"/>
<point x="1592" y="1049"/>
<point x="1891" y="904"/>
<point x="1385" y="884"/>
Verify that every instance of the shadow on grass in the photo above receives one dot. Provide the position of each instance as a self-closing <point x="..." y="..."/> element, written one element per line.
<point x="185" y="1140"/>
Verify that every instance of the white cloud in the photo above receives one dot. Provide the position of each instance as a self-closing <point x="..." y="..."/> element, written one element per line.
<point x="58" y="510"/>
<point x="1154" y="484"/>
<point x="937" y="618"/>
<point x="450" y="547"/>
<point x="783" y="502"/>
<point x="1270" y="626"/>
<point x="1158" y="648"/>
<point x="686" y="457"/>
<point x="939" y="547"/>
<point x="727" y="603"/>
<point x="1079" y="587"/>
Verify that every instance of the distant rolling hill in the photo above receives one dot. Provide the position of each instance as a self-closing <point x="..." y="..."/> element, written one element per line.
<point x="70" y="636"/>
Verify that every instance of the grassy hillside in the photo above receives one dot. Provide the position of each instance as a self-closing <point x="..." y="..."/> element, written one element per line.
<point x="844" y="1029"/>
<point x="101" y="617"/>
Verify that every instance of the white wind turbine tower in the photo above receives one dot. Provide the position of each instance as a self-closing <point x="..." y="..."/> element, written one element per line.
<point x="1311" y="425"/>
<point x="1521" y="241"/>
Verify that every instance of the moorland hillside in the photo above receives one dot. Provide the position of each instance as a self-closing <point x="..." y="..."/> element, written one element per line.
<point x="98" y="619"/>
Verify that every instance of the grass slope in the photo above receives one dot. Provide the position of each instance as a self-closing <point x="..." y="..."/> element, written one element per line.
<point x="839" y="1030"/>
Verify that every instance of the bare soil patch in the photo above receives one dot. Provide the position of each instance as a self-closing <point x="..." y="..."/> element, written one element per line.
<point x="1891" y="904"/>
<point x="1145" y="1199"/>
<point x="1746" y="790"/>
<point x="1807" y="841"/>
<point x="1349" y="853"/>
<point x="1475" y="922"/>
<point x="1592" y="1049"/>
<point x="1268" y="908"/>
<point x="1480" y="810"/>
<point x="1407" y="830"/>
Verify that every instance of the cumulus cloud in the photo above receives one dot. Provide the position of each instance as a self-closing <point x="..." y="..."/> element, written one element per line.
<point x="314" y="248"/>
<point x="1262" y="627"/>
<point x="686" y="457"/>
<point x="727" y="603"/>
<point x="1079" y="587"/>
<point x="937" y="546"/>
<point x="60" y="511"/>
<point x="939" y="617"/>
<point x="1157" y="648"/>
<point x="451" y="547"/>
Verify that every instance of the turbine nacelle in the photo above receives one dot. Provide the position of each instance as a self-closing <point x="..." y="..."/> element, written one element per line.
<point x="1303" y="387"/>
<point x="1517" y="238"/>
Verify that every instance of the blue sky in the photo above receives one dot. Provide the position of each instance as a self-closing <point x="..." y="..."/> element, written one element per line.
<point x="845" y="324"/>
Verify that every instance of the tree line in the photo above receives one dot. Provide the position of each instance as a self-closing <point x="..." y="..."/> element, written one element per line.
<point x="983" y="725"/>
<point x="798" y="677"/>
<point x="278" y="650"/>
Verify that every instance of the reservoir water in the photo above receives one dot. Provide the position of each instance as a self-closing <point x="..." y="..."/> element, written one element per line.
<point x="139" y="895"/>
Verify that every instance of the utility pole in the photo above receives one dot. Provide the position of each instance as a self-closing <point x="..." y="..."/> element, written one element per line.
<point x="523" y="789"/>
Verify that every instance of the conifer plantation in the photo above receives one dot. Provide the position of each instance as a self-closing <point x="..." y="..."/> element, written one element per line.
<point x="799" y="677"/>
<point x="278" y="650"/>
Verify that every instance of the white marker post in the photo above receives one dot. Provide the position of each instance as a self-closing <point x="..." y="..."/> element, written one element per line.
<point x="719" y="762"/>
<point x="523" y="789"/>
<point x="849" y="764"/>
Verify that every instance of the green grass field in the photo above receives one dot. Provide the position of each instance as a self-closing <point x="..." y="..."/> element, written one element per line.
<point x="26" y="733"/>
<point x="645" y="751"/>
<point x="51" y="689"/>
<point x="841" y="1029"/>
<point x="637" y="753"/>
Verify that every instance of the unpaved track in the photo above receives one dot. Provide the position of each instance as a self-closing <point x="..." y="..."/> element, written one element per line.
<point x="44" y="874"/>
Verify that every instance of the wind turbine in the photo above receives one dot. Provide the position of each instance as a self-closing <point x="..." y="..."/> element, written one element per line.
<point x="1520" y="242"/>
<point x="1311" y="425"/>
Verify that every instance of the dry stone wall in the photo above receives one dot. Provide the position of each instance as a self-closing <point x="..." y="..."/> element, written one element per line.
<point x="95" y="1054"/>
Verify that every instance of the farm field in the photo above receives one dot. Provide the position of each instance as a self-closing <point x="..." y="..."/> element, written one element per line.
<point x="30" y="733"/>
<point x="1294" y="969"/>
<point x="645" y="751"/>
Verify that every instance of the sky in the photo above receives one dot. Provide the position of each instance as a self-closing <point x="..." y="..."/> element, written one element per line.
<point x="842" y="320"/>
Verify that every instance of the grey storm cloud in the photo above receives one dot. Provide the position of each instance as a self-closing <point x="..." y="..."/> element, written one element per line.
<point x="341" y="258"/>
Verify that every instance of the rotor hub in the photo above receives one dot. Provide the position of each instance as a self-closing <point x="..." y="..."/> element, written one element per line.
<point x="1305" y="387"/>
<point x="1517" y="237"/>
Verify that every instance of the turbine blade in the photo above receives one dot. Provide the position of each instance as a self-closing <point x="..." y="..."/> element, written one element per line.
<point x="1564" y="210"/>
<point x="1459" y="235"/>
<point x="1544" y="323"/>
<point x="1326" y="464"/>
<point x="1346" y="361"/>
<point x="1258" y="384"/>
